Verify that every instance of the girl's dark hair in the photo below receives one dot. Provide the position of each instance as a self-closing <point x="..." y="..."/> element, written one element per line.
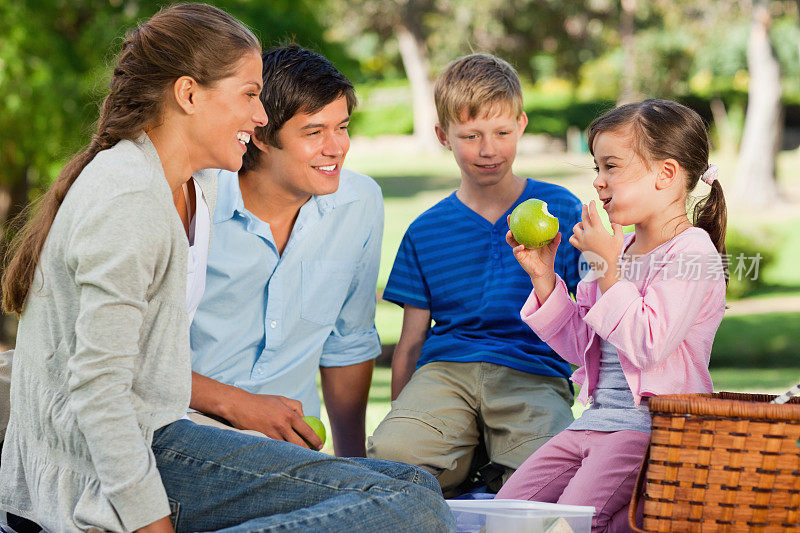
<point x="296" y="80"/>
<point x="195" y="40"/>
<point x="662" y="129"/>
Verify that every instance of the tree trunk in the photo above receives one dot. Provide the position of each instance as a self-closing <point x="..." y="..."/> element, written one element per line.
<point x="414" y="54"/>
<point x="627" y="31"/>
<point x="755" y="183"/>
<point x="726" y="136"/>
<point x="17" y="201"/>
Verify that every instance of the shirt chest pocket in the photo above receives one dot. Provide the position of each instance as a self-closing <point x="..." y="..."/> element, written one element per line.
<point x="324" y="285"/>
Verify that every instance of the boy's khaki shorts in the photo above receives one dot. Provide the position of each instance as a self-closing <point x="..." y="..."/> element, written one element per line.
<point x="439" y="416"/>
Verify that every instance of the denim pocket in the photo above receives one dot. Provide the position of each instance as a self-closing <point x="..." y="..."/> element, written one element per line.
<point x="324" y="287"/>
<point x="174" y="512"/>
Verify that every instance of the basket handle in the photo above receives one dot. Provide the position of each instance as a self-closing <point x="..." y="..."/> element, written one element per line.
<point x="637" y="490"/>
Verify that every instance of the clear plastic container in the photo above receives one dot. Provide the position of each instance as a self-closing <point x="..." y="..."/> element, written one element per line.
<point x="518" y="516"/>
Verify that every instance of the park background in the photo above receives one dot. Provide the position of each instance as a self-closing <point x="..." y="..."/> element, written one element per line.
<point x="736" y="62"/>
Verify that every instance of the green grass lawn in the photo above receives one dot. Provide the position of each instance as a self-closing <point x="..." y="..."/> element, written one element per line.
<point x="767" y="340"/>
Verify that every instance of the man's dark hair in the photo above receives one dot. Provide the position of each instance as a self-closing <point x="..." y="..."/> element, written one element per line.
<point x="296" y="80"/>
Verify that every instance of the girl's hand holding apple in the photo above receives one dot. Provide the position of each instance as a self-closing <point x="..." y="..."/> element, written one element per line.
<point x="539" y="263"/>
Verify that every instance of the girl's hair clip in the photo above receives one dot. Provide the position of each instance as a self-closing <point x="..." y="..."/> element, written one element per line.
<point x="711" y="174"/>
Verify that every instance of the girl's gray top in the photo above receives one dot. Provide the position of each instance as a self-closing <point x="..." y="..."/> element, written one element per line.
<point x="102" y="357"/>
<point x="613" y="408"/>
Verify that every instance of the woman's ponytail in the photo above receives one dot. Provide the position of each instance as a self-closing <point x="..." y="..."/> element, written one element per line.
<point x="27" y="245"/>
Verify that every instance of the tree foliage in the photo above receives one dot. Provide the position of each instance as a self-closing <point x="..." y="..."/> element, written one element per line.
<point x="549" y="37"/>
<point x="55" y="58"/>
<point x="50" y="70"/>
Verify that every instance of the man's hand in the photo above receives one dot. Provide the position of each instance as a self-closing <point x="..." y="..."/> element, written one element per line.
<point x="277" y="417"/>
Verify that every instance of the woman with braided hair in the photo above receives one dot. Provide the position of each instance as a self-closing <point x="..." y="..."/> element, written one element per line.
<point x="102" y="372"/>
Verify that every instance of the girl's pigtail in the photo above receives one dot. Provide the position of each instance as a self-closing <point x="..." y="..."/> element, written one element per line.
<point x="711" y="215"/>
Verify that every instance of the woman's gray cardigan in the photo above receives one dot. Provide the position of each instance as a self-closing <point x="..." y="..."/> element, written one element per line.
<point x="102" y="357"/>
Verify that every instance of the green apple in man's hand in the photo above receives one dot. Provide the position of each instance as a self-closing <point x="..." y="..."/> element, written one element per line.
<point x="532" y="225"/>
<point x="318" y="427"/>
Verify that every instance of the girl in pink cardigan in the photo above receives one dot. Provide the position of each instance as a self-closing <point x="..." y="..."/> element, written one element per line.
<point x="646" y="313"/>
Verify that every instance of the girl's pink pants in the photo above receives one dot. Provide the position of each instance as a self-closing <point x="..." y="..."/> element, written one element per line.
<point x="596" y="468"/>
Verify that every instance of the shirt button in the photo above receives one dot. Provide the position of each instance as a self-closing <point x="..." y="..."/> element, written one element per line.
<point x="273" y="324"/>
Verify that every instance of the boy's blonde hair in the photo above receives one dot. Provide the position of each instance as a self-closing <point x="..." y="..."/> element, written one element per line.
<point x="476" y="84"/>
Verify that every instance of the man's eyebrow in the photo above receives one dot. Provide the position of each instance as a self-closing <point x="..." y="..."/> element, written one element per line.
<point x="315" y="126"/>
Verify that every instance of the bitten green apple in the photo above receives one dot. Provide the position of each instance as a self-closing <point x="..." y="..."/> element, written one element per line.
<point x="532" y="225"/>
<point x="317" y="425"/>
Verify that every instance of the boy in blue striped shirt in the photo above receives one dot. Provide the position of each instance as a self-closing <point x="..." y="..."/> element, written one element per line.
<point x="479" y="375"/>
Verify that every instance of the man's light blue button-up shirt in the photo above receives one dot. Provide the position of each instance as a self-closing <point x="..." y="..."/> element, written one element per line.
<point x="267" y="322"/>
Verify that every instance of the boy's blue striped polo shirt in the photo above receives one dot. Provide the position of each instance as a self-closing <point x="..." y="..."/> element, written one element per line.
<point x="455" y="263"/>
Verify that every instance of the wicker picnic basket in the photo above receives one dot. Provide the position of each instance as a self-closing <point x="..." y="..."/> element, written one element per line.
<point x="721" y="462"/>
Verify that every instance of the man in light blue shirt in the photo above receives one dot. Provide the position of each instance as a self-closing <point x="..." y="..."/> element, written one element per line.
<point x="292" y="268"/>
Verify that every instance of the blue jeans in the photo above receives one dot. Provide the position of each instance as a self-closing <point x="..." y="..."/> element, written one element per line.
<point x="223" y="480"/>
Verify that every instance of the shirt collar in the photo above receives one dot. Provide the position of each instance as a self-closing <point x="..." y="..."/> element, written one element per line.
<point x="229" y="196"/>
<point x="344" y="195"/>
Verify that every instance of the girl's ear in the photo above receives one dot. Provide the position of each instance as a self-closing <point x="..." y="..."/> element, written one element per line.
<point x="668" y="174"/>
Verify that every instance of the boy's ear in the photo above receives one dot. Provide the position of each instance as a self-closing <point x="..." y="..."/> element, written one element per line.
<point x="442" y="136"/>
<point x="668" y="174"/>
<point x="522" y="122"/>
<point x="185" y="90"/>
